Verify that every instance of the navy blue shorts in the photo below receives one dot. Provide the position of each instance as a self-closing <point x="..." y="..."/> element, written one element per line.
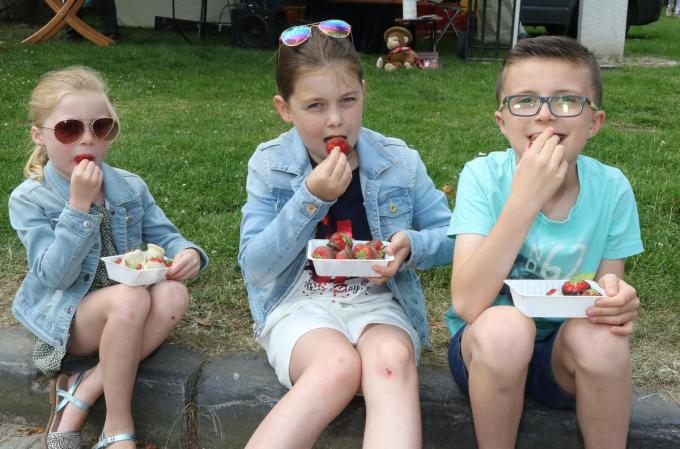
<point x="540" y="385"/>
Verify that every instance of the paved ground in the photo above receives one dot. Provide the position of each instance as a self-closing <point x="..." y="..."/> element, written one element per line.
<point x="20" y="437"/>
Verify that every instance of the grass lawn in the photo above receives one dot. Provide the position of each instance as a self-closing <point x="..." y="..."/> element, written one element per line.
<point x="192" y="115"/>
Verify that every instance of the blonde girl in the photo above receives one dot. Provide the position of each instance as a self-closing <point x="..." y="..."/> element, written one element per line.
<point x="72" y="209"/>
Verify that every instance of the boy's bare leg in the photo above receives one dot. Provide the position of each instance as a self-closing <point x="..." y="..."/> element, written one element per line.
<point x="326" y="371"/>
<point x="497" y="348"/>
<point x="593" y="364"/>
<point x="389" y="381"/>
<point x="163" y="305"/>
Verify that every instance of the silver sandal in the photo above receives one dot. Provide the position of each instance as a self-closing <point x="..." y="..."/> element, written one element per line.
<point x="71" y="439"/>
<point x="105" y="441"/>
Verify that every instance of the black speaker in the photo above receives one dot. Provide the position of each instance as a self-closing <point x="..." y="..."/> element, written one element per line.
<point x="254" y="26"/>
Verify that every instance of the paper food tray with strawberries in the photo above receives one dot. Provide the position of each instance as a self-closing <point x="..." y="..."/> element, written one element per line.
<point x="545" y="298"/>
<point x="138" y="267"/>
<point x="345" y="267"/>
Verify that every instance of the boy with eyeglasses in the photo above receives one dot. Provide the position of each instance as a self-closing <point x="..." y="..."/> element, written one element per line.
<point x="541" y="210"/>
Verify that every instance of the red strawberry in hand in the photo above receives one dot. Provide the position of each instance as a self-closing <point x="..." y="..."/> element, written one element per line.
<point x="80" y="157"/>
<point x="338" y="142"/>
<point x="575" y="287"/>
<point x="323" y="252"/>
<point x="340" y="241"/>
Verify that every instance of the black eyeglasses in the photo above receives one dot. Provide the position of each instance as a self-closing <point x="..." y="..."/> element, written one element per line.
<point x="69" y="131"/>
<point x="559" y="105"/>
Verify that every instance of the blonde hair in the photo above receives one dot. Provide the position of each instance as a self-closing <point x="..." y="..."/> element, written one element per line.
<point x="51" y="88"/>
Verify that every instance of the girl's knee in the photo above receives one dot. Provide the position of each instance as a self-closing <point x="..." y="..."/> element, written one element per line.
<point x="170" y="297"/>
<point x="339" y="372"/>
<point x="393" y="358"/>
<point x="130" y="304"/>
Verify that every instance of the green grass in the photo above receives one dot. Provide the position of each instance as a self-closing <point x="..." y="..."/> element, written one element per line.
<point x="192" y="115"/>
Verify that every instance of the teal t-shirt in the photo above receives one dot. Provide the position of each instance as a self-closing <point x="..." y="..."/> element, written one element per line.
<point x="602" y="224"/>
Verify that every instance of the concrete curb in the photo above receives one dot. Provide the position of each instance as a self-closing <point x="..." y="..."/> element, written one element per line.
<point x="179" y="397"/>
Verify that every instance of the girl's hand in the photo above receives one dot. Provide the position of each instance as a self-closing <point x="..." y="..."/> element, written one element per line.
<point x="540" y="171"/>
<point x="186" y="265"/>
<point x="331" y="177"/>
<point x="618" y="309"/>
<point x="400" y="248"/>
<point x="86" y="184"/>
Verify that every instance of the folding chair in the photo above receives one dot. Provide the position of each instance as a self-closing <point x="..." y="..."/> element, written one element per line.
<point x="452" y="10"/>
<point x="65" y="13"/>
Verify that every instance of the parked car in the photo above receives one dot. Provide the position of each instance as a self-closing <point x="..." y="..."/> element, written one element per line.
<point x="561" y="16"/>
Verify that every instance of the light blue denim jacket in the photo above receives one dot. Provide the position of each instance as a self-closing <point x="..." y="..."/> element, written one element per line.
<point x="281" y="215"/>
<point x="63" y="244"/>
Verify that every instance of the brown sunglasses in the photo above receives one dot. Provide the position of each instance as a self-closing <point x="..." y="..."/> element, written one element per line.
<point x="69" y="131"/>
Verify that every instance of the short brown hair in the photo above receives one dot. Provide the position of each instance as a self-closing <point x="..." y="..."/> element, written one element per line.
<point x="553" y="47"/>
<point x="316" y="52"/>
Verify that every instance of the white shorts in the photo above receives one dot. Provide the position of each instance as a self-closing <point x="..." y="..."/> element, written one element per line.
<point x="296" y="316"/>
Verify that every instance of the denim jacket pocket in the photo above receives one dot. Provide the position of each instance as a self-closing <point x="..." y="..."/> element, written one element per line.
<point x="396" y="212"/>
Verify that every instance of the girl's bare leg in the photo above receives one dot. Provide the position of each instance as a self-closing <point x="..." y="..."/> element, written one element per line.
<point x="389" y="381"/>
<point x="592" y="364"/>
<point x="326" y="371"/>
<point x="125" y="324"/>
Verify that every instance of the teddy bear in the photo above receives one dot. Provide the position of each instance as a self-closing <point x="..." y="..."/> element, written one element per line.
<point x="400" y="54"/>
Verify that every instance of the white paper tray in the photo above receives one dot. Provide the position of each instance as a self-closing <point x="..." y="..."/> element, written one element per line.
<point x="119" y="272"/>
<point x="345" y="267"/>
<point x="530" y="298"/>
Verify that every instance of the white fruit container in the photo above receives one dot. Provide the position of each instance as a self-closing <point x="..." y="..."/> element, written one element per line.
<point x="345" y="267"/>
<point x="120" y="273"/>
<point x="531" y="299"/>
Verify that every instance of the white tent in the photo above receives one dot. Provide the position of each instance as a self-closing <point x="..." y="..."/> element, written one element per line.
<point x="135" y="13"/>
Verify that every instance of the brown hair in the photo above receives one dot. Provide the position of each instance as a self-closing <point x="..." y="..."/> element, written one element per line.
<point x="50" y="89"/>
<point x="553" y="47"/>
<point x="316" y="52"/>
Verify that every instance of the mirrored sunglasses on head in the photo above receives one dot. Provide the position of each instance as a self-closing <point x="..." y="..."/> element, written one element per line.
<point x="294" y="36"/>
<point x="71" y="130"/>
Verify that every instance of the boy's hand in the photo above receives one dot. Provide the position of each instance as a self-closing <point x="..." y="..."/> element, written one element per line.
<point x="186" y="265"/>
<point x="331" y="177"/>
<point x="400" y="248"/>
<point x="86" y="183"/>
<point x="618" y="309"/>
<point x="540" y="171"/>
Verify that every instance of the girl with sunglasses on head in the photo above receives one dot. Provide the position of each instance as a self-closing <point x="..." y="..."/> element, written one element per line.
<point x="72" y="209"/>
<point x="331" y="339"/>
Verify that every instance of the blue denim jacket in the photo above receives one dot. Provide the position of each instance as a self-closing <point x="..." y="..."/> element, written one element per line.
<point x="281" y="215"/>
<point x="63" y="244"/>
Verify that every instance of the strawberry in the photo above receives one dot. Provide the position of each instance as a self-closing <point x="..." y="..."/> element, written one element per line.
<point x="344" y="254"/>
<point x="168" y="262"/>
<point x="377" y="244"/>
<point x="338" y="142"/>
<point x="364" y="251"/>
<point x="340" y="241"/>
<point x="551" y="292"/>
<point x="591" y="292"/>
<point x="323" y="252"/>
<point x="118" y="260"/>
<point x="80" y="157"/>
<point x="575" y="287"/>
<point x="138" y="267"/>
